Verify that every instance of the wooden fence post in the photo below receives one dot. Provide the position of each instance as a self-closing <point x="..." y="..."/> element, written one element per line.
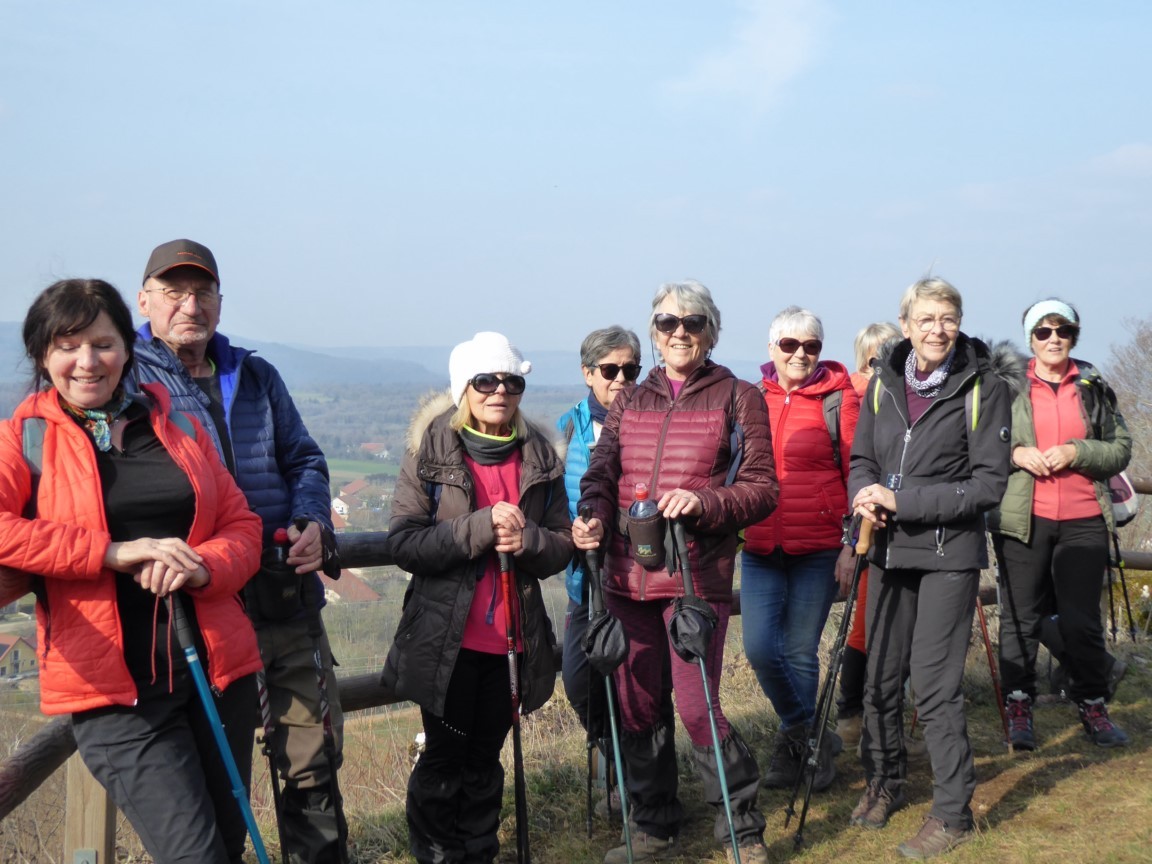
<point x="89" y="818"/>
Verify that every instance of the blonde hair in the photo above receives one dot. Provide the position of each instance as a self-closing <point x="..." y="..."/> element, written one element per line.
<point x="869" y="340"/>
<point x="932" y="288"/>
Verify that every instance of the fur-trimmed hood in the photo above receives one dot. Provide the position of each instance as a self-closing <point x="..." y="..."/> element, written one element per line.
<point x="436" y="402"/>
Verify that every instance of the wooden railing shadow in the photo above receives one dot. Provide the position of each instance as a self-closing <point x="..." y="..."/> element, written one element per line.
<point x="90" y="818"/>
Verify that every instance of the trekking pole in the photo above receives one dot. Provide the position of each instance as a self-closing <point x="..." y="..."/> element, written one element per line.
<point x="689" y="592"/>
<point x="815" y="738"/>
<point x="184" y="636"/>
<point x="994" y="672"/>
<point x="589" y="743"/>
<point x="266" y="749"/>
<point x="523" y="854"/>
<point x="1123" y="588"/>
<point x="315" y="631"/>
<point x="596" y="608"/>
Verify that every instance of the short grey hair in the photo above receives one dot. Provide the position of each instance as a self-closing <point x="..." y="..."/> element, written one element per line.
<point x="869" y="340"/>
<point x="600" y="343"/>
<point x="693" y="299"/>
<point x="932" y="288"/>
<point x="796" y="320"/>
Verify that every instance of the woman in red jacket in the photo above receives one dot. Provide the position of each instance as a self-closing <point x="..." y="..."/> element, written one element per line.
<point x="793" y="559"/>
<point x="127" y="510"/>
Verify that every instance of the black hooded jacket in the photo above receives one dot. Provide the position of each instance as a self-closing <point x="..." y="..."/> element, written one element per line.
<point x="952" y="463"/>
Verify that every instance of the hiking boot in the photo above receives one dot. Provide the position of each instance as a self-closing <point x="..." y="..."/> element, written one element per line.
<point x="608" y="807"/>
<point x="645" y="847"/>
<point x="849" y="729"/>
<point x="787" y="758"/>
<point x="934" y="838"/>
<point x="1018" y="707"/>
<point x="751" y="852"/>
<point x="1097" y="725"/>
<point x="876" y="805"/>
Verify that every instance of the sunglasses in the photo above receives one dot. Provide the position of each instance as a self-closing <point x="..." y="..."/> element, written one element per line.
<point x="791" y="346"/>
<point x="1064" y="331"/>
<point x="489" y="382"/>
<point x="611" y="370"/>
<point x="667" y="323"/>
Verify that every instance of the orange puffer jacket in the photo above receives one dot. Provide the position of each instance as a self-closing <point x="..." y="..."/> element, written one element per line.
<point x="78" y="628"/>
<point x="813" y="490"/>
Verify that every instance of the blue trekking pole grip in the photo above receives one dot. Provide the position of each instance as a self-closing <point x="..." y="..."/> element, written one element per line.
<point x="184" y="637"/>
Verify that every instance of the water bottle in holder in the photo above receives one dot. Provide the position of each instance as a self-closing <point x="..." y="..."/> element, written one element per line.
<point x="276" y="587"/>
<point x="646" y="529"/>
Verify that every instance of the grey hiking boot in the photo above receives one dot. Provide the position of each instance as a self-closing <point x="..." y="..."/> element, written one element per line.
<point x="751" y="852"/>
<point x="787" y="758"/>
<point x="876" y="805"/>
<point x="934" y="838"/>
<point x="645" y="847"/>
<point x="1098" y="726"/>
<point x="1018" y="707"/>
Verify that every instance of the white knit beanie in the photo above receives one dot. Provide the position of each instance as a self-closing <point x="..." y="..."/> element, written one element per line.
<point x="486" y="352"/>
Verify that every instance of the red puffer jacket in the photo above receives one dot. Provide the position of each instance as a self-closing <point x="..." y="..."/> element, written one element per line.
<point x="813" y="491"/>
<point x="78" y="628"/>
<point x="683" y="443"/>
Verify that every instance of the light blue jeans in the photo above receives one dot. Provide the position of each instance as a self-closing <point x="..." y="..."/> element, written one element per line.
<point x="784" y="602"/>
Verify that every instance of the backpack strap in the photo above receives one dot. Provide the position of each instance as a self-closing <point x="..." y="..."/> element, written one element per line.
<point x="433" y="489"/>
<point x="735" y="439"/>
<point x="32" y="434"/>
<point x="831" y="403"/>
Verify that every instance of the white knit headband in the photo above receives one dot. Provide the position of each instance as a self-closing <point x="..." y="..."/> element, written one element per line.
<point x="1042" y="310"/>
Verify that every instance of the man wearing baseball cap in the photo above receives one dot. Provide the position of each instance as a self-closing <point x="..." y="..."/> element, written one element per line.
<point x="243" y="404"/>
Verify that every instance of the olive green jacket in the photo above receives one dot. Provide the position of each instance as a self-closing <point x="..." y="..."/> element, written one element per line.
<point x="1103" y="454"/>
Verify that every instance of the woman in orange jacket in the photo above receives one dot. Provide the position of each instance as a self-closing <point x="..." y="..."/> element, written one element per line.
<point x="115" y="509"/>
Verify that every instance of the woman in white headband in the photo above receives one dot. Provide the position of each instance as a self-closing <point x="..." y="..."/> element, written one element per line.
<point x="1053" y="526"/>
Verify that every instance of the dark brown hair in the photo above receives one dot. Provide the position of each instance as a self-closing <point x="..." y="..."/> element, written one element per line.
<point x="67" y="307"/>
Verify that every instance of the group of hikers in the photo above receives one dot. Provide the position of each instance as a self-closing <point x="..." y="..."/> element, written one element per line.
<point x="161" y="496"/>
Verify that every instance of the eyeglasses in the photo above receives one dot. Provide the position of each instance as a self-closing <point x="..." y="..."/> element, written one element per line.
<point x="791" y="346"/>
<point x="1064" y="331"/>
<point x="667" y="323"/>
<point x="611" y="370"/>
<point x="489" y="382"/>
<point x="950" y="323"/>
<point x="206" y="299"/>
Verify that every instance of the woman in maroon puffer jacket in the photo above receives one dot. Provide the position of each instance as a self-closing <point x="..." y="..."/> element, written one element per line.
<point x="674" y="432"/>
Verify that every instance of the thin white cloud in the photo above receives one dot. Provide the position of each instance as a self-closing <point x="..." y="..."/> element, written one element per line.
<point x="774" y="43"/>
<point x="1127" y="161"/>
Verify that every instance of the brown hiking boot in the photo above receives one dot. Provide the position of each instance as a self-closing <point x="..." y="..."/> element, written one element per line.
<point x="876" y="805"/>
<point x="849" y="728"/>
<point x="787" y="758"/>
<point x="934" y="838"/>
<point x="645" y="847"/>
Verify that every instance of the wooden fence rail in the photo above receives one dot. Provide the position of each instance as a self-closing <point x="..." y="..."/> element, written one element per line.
<point x="49" y="748"/>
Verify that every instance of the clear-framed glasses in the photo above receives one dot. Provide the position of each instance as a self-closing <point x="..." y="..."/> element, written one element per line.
<point x="927" y="323"/>
<point x="206" y="298"/>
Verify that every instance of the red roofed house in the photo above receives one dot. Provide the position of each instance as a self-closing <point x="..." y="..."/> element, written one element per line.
<point x="17" y="656"/>
<point x="349" y="588"/>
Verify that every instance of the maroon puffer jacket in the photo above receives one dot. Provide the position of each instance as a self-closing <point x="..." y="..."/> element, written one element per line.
<point x="690" y="437"/>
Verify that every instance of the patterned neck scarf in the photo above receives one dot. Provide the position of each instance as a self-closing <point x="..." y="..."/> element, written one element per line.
<point x="97" y="422"/>
<point x="931" y="385"/>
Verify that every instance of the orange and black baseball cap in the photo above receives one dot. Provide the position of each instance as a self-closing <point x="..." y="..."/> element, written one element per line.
<point x="181" y="253"/>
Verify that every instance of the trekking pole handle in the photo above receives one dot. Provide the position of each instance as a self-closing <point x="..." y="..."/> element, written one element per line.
<point x="592" y="556"/>
<point x="864" y="541"/>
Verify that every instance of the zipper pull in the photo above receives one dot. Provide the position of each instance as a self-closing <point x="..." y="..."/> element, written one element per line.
<point x="907" y="435"/>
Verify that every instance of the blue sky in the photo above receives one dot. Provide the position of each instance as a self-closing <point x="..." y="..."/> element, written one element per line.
<point x="406" y="173"/>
